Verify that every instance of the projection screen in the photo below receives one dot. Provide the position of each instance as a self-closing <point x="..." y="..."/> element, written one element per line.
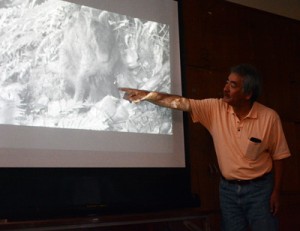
<point x="61" y="66"/>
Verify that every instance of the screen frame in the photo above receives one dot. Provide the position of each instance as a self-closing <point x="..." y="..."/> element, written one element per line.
<point x="22" y="146"/>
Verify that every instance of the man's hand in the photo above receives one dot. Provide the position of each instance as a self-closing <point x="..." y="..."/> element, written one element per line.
<point x="275" y="202"/>
<point x="134" y="95"/>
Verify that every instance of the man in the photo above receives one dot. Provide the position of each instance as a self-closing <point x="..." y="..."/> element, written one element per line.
<point x="249" y="143"/>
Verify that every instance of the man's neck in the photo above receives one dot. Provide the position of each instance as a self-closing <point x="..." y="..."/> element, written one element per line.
<point x="242" y="111"/>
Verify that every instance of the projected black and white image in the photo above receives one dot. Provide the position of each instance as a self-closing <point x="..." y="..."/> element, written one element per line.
<point x="61" y="65"/>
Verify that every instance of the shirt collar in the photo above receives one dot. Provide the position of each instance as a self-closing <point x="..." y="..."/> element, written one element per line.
<point x="252" y="114"/>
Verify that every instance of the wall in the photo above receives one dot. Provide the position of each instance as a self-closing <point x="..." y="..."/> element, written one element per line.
<point x="287" y="8"/>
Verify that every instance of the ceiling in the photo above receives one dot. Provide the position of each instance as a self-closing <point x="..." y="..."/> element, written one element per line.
<point x="286" y="8"/>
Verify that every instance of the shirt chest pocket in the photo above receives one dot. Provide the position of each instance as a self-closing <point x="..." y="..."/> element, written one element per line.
<point x="254" y="147"/>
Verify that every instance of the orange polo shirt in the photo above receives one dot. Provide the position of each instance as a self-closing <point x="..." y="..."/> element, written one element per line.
<point x="238" y="156"/>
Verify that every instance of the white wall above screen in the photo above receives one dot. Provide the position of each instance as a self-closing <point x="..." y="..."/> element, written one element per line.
<point x="286" y="8"/>
<point x="61" y="65"/>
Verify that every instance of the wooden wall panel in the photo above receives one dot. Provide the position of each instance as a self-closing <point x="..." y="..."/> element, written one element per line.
<point x="291" y="184"/>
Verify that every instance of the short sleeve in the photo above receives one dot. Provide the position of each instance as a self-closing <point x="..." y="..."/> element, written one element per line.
<point x="202" y="111"/>
<point x="279" y="147"/>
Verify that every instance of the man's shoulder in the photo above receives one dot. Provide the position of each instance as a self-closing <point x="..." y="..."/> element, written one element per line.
<point x="208" y="102"/>
<point x="264" y="110"/>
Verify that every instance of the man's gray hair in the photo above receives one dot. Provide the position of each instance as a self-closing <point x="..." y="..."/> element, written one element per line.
<point x="251" y="79"/>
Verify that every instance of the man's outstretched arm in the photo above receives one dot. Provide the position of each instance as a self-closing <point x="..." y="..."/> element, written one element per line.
<point x="161" y="99"/>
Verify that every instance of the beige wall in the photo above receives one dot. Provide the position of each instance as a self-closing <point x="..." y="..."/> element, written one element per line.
<point x="286" y="8"/>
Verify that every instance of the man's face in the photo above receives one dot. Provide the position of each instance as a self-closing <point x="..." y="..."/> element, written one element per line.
<point x="233" y="91"/>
